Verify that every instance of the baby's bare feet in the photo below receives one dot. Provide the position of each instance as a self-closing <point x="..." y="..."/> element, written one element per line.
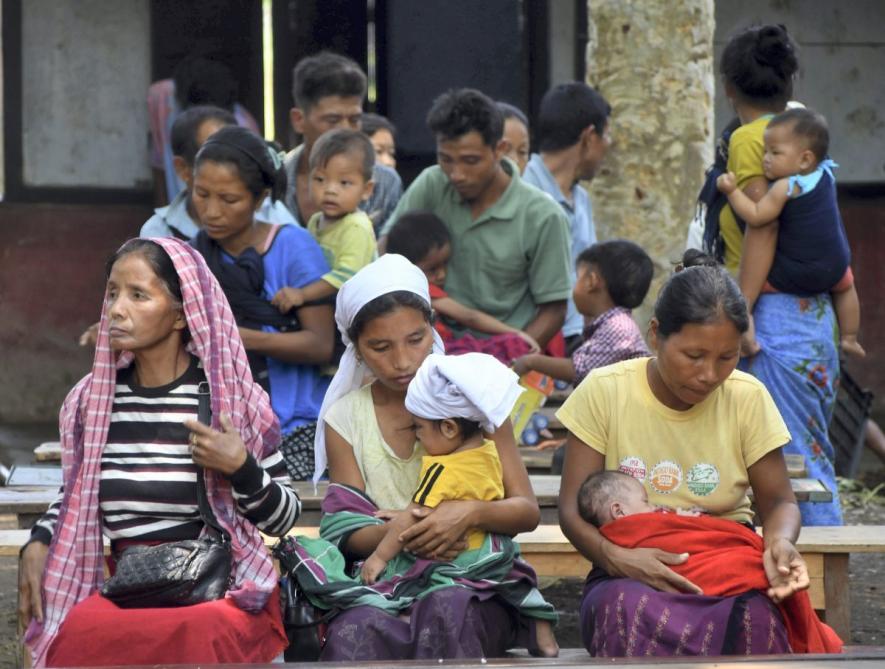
<point x="546" y="640"/>
<point x="850" y="346"/>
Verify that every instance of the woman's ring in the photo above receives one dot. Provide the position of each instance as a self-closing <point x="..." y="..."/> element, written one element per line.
<point x="193" y="441"/>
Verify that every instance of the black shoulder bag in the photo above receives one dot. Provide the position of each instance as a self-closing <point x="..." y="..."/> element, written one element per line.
<point x="177" y="573"/>
<point x="301" y="619"/>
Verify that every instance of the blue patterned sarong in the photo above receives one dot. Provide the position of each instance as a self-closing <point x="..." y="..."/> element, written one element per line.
<point x="799" y="364"/>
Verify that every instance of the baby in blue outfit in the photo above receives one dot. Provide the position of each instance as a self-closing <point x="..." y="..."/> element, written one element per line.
<point x="812" y="254"/>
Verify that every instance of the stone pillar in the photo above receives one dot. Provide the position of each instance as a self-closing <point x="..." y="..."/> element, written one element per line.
<point x="653" y="62"/>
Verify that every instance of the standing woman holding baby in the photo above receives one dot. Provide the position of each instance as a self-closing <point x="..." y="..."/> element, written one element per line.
<point x="794" y="353"/>
<point x="697" y="433"/>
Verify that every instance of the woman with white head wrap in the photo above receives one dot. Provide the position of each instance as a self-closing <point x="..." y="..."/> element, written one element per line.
<point x="389" y="274"/>
<point x="366" y="436"/>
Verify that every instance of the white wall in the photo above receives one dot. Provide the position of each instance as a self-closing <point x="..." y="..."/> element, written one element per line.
<point x="85" y="74"/>
<point x="841" y="57"/>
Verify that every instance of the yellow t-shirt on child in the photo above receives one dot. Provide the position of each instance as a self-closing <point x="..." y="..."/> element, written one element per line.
<point x="697" y="457"/>
<point x="474" y="474"/>
<point x="348" y="244"/>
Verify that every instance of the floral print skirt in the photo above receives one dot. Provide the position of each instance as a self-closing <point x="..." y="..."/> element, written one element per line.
<point x="799" y="364"/>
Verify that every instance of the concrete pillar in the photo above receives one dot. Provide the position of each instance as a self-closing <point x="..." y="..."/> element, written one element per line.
<point x="653" y="62"/>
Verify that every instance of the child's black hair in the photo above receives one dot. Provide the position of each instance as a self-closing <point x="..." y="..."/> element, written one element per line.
<point x="417" y="233"/>
<point x="759" y="63"/>
<point x="509" y="111"/>
<point x="259" y="166"/>
<point x="597" y="489"/>
<point x="323" y="75"/>
<point x="186" y="126"/>
<point x="343" y="141"/>
<point x="624" y="266"/>
<point x="566" y="111"/>
<point x="460" y="111"/>
<point x="810" y="126"/>
<point x="701" y="292"/>
<point x="372" y="123"/>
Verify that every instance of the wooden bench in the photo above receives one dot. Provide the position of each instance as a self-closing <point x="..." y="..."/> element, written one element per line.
<point x="21" y="506"/>
<point x="825" y="549"/>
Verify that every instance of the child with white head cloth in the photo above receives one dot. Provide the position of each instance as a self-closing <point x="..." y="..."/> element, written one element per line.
<point x="455" y="401"/>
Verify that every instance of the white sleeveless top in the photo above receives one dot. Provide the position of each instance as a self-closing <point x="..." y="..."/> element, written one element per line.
<point x="390" y="480"/>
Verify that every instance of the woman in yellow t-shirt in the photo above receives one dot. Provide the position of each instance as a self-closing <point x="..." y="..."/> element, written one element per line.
<point x="697" y="433"/>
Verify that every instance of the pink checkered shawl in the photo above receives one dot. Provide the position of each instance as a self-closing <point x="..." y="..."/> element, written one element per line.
<point x="74" y="569"/>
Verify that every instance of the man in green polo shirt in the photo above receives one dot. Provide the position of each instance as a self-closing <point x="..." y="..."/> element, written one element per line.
<point x="510" y="241"/>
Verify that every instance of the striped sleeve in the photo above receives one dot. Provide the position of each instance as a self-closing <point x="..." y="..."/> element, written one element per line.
<point x="263" y="494"/>
<point x="45" y="527"/>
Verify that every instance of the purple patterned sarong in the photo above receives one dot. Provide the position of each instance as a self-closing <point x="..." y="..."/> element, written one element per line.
<point x="450" y="623"/>
<point x="625" y="618"/>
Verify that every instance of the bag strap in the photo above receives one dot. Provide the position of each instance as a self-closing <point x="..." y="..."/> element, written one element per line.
<point x="204" y="415"/>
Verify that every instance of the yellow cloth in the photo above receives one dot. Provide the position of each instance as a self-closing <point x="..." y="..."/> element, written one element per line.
<point x="745" y="150"/>
<point x="348" y="244"/>
<point x="474" y="474"/>
<point x="688" y="458"/>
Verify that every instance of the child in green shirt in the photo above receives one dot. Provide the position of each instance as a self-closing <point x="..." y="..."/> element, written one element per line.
<point x="341" y="165"/>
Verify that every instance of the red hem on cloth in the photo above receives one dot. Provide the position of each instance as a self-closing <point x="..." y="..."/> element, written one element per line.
<point x="97" y="633"/>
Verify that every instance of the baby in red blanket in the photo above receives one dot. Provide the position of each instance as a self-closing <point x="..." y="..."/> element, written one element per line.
<point x="725" y="557"/>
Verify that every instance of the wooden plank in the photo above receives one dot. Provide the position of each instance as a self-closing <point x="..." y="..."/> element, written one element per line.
<point x="48" y="451"/>
<point x="837" y="594"/>
<point x="815" y="564"/>
<point x="26" y="499"/>
<point x="795" y="465"/>
<point x="842" y="539"/>
<point x="549" y="538"/>
<point x="23" y="500"/>
<point x="535" y="459"/>
<point x="546" y="487"/>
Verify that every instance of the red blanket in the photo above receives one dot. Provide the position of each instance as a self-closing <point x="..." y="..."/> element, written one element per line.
<point x="725" y="559"/>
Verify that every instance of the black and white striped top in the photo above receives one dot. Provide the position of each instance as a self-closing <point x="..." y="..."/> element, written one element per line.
<point x="148" y="487"/>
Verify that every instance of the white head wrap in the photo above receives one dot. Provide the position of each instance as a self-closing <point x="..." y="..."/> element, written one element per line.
<point x="474" y="386"/>
<point x="388" y="274"/>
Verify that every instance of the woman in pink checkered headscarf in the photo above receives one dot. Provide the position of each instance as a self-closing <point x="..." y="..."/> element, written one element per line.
<point x="130" y="451"/>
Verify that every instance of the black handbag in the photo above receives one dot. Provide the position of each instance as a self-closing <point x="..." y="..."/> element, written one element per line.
<point x="177" y="573"/>
<point x="300" y="617"/>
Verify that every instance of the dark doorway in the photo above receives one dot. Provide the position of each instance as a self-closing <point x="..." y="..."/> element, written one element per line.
<point x="424" y="48"/>
<point x="304" y="28"/>
<point x="229" y="32"/>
